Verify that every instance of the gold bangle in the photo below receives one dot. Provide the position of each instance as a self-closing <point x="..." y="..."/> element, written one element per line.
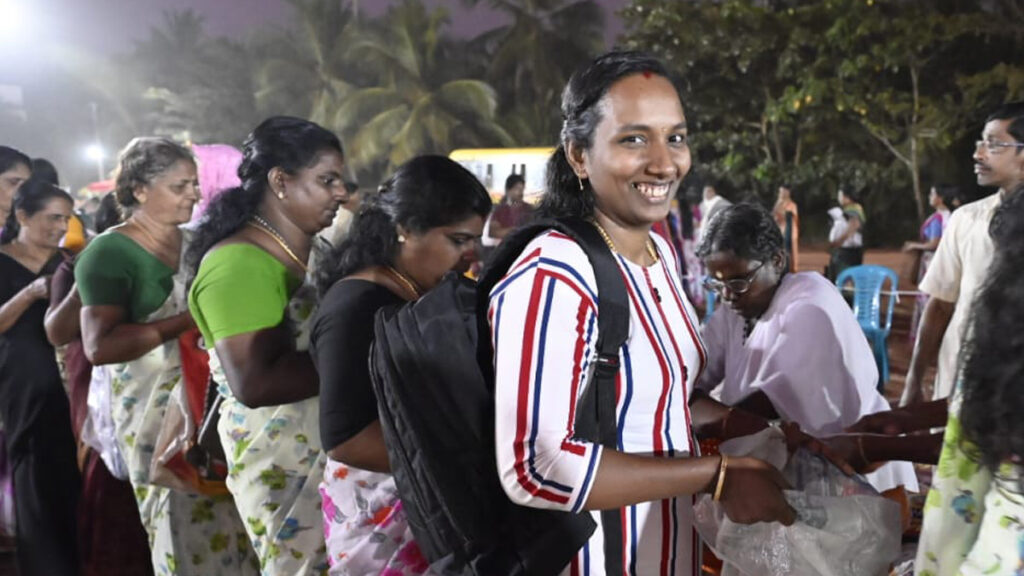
<point x="860" y="449"/>
<point x="721" y="477"/>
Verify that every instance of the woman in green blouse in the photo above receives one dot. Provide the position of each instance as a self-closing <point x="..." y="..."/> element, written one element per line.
<point x="134" y="308"/>
<point x="252" y="304"/>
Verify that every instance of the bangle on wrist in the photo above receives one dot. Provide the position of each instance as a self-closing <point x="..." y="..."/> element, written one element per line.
<point x="722" y="466"/>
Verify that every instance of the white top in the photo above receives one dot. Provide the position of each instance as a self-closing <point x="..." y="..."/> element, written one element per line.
<point x="839" y="227"/>
<point x="809" y="356"/>
<point x="544" y="328"/>
<point x="956" y="273"/>
<point x="708" y="210"/>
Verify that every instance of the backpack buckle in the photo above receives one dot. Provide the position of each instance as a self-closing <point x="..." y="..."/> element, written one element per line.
<point x="607" y="364"/>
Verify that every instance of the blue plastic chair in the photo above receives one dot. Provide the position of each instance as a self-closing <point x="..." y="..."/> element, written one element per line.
<point x="876" y="322"/>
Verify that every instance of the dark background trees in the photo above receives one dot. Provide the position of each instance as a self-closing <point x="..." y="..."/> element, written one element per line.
<point x="882" y="96"/>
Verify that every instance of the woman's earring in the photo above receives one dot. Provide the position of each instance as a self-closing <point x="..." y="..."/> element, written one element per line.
<point x="580" y="180"/>
<point x="401" y="239"/>
<point x="280" y="195"/>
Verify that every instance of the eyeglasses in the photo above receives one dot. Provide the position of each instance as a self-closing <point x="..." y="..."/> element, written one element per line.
<point x="736" y="286"/>
<point x="993" y="147"/>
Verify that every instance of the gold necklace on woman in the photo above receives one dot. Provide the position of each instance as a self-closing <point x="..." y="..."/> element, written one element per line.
<point x="404" y="281"/>
<point x="611" y="245"/>
<point x="262" y="225"/>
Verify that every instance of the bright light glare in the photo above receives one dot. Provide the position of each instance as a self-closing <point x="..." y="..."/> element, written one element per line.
<point x="94" y="152"/>
<point x="12" y="19"/>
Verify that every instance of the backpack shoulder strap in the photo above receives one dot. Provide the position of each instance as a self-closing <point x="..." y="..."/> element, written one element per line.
<point x="595" y="415"/>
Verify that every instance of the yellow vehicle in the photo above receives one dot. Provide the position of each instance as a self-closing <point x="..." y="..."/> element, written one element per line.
<point x="492" y="165"/>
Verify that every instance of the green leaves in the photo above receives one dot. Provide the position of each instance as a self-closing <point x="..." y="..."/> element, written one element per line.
<point x="878" y="94"/>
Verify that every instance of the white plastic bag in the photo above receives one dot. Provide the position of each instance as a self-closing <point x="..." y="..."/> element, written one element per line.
<point x="843" y="527"/>
<point x="98" y="427"/>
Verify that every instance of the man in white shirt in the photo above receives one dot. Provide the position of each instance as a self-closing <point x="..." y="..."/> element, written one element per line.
<point x="961" y="261"/>
<point x="710" y="206"/>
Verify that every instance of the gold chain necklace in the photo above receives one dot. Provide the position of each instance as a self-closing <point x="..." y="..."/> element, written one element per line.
<point x="262" y="225"/>
<point x="404" y="281"/>
<point x="611" y="245"/>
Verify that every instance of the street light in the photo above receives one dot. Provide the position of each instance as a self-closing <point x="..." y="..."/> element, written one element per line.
<point x="13" y="20"/>
<point x="95" y="153"/>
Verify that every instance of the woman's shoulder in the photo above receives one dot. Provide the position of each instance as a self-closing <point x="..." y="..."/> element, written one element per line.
<point x="357" y="294"/>
<point x="349" y="306"/>
<point x="239" y="253"/>
<point x="553" y="254"/>
<point x="111" y="248"/>
<point x="808" y="289"/>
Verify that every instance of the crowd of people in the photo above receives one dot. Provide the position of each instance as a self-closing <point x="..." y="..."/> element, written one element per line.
<point x="209" y="408"/>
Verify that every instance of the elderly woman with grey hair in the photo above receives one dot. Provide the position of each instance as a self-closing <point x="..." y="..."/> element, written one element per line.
<point x="133" y="311"/>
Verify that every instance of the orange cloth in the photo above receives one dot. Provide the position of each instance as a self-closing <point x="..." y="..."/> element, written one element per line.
<point x="74" y="238"/>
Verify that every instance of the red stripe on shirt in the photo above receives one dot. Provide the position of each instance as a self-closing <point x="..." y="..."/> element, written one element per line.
<point x="675" y="347"/>
<point x="659" y="415"/>
<point x="523" y="400"/>
<point x="577" y="366"/>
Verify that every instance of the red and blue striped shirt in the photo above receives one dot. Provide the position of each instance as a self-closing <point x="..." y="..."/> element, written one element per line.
<point x="544" y="329"/>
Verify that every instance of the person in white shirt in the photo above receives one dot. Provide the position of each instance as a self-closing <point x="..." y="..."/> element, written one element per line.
<point x="785" y="345"/>
<point x="711" y="206"/>
<point x="961" y="261"/>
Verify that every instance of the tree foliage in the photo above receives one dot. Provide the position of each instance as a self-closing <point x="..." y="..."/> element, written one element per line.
<point x="876" y="95"/>
<point x="881" y="96"/>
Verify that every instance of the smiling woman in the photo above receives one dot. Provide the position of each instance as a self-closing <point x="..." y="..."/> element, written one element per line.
<point x="33" y="406"/>
<point x="623" y="154"/>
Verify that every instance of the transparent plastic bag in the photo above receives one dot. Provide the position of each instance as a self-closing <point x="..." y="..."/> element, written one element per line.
<point x="98" y="428"/>
<point x="843" y="528"/>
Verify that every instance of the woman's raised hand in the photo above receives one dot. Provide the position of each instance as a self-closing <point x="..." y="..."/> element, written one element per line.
<point x="39" y="289"/>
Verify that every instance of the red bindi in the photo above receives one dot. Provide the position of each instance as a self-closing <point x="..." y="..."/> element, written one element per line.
<point x="647" y="73"/>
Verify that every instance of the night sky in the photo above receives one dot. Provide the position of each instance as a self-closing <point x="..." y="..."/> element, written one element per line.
<point x="48" y="49"/>
<point x="106" y="26"/>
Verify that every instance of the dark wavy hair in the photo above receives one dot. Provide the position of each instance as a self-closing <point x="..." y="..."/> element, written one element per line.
<point x="284" y="142"/>
<point x="992" y="380"/>
<point x="1014" y="112"/>
<point x="949" y="194"/>
<point x="9" y="158"/>
<point x="108" y="213"/>
<point x="43" y="169"/>
<point x="747" y="230"/>
<point x="140" y="162"/>
<point x="424" y="193"/>
<point x="581" y="113"/>
<point x="31" y="197"/>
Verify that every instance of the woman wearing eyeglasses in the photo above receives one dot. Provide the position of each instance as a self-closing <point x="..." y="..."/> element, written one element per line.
<point x="786" y="345"/>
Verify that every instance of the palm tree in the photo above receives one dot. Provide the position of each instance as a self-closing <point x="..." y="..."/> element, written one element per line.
<point x="193" y="86"/>
<point x="523" y="67"/>
<point x="306" y="71"/>
<point x="419" y="103"/>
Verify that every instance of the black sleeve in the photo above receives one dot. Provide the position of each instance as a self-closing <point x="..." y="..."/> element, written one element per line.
<point x="340" y="346"/>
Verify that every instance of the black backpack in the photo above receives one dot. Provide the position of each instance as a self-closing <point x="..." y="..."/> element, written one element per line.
<point x="433" y="376"/>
